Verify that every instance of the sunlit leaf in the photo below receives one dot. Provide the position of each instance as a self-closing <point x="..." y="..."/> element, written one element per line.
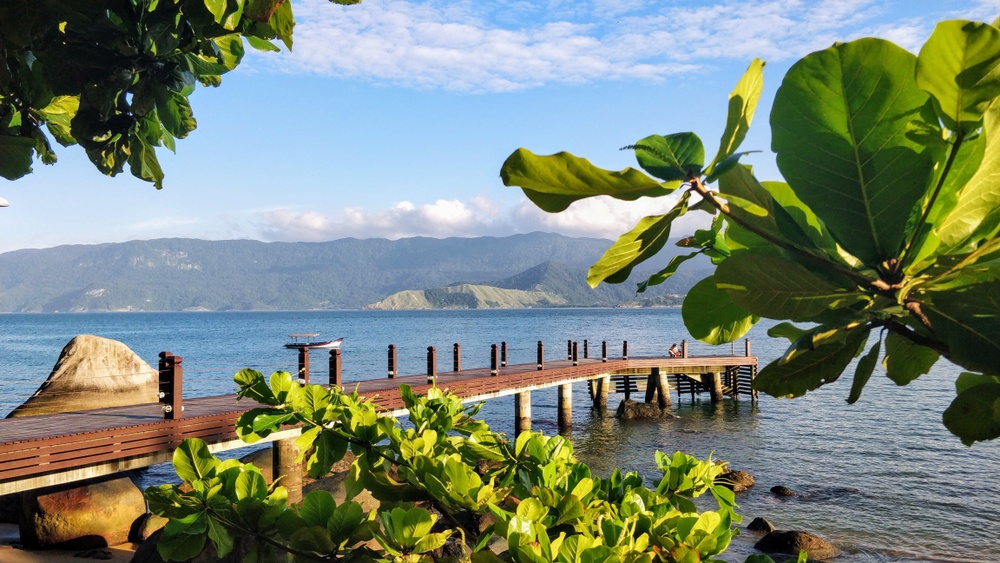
<point x="742" y="105"/>
<point x="815" y="367"/>
<point x="711" y="316"/>
<point x="676" y="157"/>
<point x="193" y="461"/>
<point x="904" y="360"/>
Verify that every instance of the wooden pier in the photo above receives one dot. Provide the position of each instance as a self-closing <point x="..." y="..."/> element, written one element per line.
<point x="47" y="450"/>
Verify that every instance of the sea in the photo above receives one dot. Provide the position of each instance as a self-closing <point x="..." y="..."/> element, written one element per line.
<point x="882" y="479"/>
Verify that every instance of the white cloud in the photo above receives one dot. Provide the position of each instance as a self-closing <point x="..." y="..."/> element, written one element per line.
<point x="505" y="45"/>
<point x="595" y="217"/>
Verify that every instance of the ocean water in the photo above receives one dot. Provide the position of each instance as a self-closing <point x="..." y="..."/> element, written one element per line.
<point x="881" y="479"/>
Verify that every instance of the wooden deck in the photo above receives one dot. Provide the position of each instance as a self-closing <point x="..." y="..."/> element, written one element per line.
<point x="52" y="449"/>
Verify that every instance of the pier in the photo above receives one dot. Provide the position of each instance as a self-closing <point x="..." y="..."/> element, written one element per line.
<point x="54" y="449"/>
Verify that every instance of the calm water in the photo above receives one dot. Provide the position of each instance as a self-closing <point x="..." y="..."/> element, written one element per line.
<point x="882" y="479"/>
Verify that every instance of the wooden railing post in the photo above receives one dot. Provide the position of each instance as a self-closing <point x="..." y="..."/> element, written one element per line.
<point x="303" y="365"/>
<point x="604" y="351"/>
<point x="541" y="356"/>
<point x="748" y="347"/>
<point x="171" y="385"/>
<point x="569" y="349"/>
<point x="336" y="377"/>
<point x="586" y="349"/>
<point x="684" y="348"/>
<point x="503" y="354"/>
<point x="393" y="365"/>
<point x="573" y="356"/>
<point x="494" y="360"/>
<point x="431" y="364"/>
<point x="624" y="349"/>
<point x="456" y="355"/>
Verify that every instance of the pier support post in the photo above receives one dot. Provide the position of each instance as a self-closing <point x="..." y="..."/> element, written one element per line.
<point x="283" y="454"/>
<point x="393" y="366"/>
<point x="662" y="388"/>
<point x="714" y="383"/>
<point x="565" y="406"/>
<point x="522" y="412"/>
<point x="336" y="376"/>
<point x="456" y="355"/>
<point x="431" y="365"/>
<point x="603" y="388"/>
<point x="304" y="365"/>
<point x="651" y="385"/>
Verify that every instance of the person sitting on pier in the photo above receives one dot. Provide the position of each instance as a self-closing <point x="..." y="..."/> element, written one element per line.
<point x="675" y="352"/>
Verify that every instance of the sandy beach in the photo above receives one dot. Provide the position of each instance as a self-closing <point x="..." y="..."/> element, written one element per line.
<point x="9" y="553"/>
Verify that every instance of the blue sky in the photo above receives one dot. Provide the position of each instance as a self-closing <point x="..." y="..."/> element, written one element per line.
<point x="392" y="118"/>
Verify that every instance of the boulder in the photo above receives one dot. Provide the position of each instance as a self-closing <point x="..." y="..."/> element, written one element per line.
<point x="782" y="491"/>
<point x="99" y="513"/>
<point x="761" y="525"/>
<point x="631" y="410"/>
<point x="738" y="480"/>
<point x="791" y="542"/>
<point x="93" y="373"/>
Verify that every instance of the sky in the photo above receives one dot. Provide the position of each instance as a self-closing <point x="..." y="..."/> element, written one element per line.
<point x="392" y="118"/>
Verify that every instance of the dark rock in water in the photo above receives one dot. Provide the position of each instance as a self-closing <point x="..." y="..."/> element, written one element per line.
<point x="783" y="491"/>
<point x="99" y="513"/>
<point x="631" y="410"/>
<point x="93" y="373"/>
<point x="790" y="542"/>
<point x="761" y="525"/>
<point x="738" y="480"/>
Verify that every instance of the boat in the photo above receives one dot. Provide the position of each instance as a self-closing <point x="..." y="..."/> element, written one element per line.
<point x="301" y="341"/>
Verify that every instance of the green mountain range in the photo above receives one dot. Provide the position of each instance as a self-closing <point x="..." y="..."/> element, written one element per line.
<point x="190" y="274"/>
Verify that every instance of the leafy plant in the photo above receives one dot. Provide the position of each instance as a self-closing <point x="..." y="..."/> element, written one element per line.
<point x="882" y="237"/>
<point x="447" y="487"/>
<point x="115" y="77"/>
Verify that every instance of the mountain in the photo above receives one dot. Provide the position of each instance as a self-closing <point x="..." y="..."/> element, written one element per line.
<point x="190" y="274"/>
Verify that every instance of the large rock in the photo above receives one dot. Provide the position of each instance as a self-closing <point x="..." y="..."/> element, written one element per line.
<point x="739" y="481"/>
<point x="98" y="514"/>
<point x="93" y="373"/>
<point x="790" y="542"/>
<point x="631" y="410"/>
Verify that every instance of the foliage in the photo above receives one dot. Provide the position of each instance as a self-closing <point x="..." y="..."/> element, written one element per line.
<point x="883" y="238"/>
<point x="444" y="478"/>
<point x="115" y="77"/>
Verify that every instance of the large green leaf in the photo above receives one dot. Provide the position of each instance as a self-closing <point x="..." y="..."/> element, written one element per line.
<point x="740" y="184"/>
<point x="977" y="214"/>
<point x="742" y="105"/>
<point x="810" y="366"/>
<point x="635" y="246"/>
<point x="839" y="128"/>
<point x="711" y="316"/>
<point x="15" y="156"/>
<point x="770" y="285"/>
<point x="960" y="67"/>
<point x="193" y="461"/>
<point x="905" y="361"/>
<point x="665" y="273"/>
<point x="974" y="415"/>
<point x="676" y="157"/>
<point x="967" y="320"/>
<point x="866" y="365"/>
<point x="554" y="182"/>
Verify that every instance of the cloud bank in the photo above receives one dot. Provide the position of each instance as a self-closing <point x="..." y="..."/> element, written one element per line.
<point x="505" y="45"/>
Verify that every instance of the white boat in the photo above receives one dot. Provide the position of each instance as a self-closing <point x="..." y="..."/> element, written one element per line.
<point x="302" y="341"/>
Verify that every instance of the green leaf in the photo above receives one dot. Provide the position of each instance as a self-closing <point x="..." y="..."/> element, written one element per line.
<point x="282" y="22"/>
<point x="676" y="157"/>
<point x="742" y="104"/>
<point x="345" y="519"/>
<point x="327" y="450"/>
<point x="905" y="361"/>
<point x="554" y="182"/>
<point x="15" y="156"/>
<point x="866" y="366"/>
<point x="175" y="113"/>
<point x="711" y="316"/>
<point x="974" y="415"/>
<point x="317" y="507"/>
<point x="634" y="247"/>
<point x="967" y="320"/>
<point x="968" y="380"/>
<point x="839" y="130"/>
<point x="217" y="8"/>
<point x="58" y="115"/>
<point x="193" y="461"/>
<point x="665" y="273"/>
<point x="181" y="546"/>
<point x="143" y="162"/>
<point x="312" y="538"/>
<point x="262" y="44"/>
<point x="751" y="203"/>
<point x="770" y="285"/>
<point x="222" y="537"/>
<point x="430" y="542"/>
<point x="252" y="384"/>
<point x="810" y="366"/>
<point x="977" y="215"/>
<point x="960" y="67"/>
<point x="251" y="484"/>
